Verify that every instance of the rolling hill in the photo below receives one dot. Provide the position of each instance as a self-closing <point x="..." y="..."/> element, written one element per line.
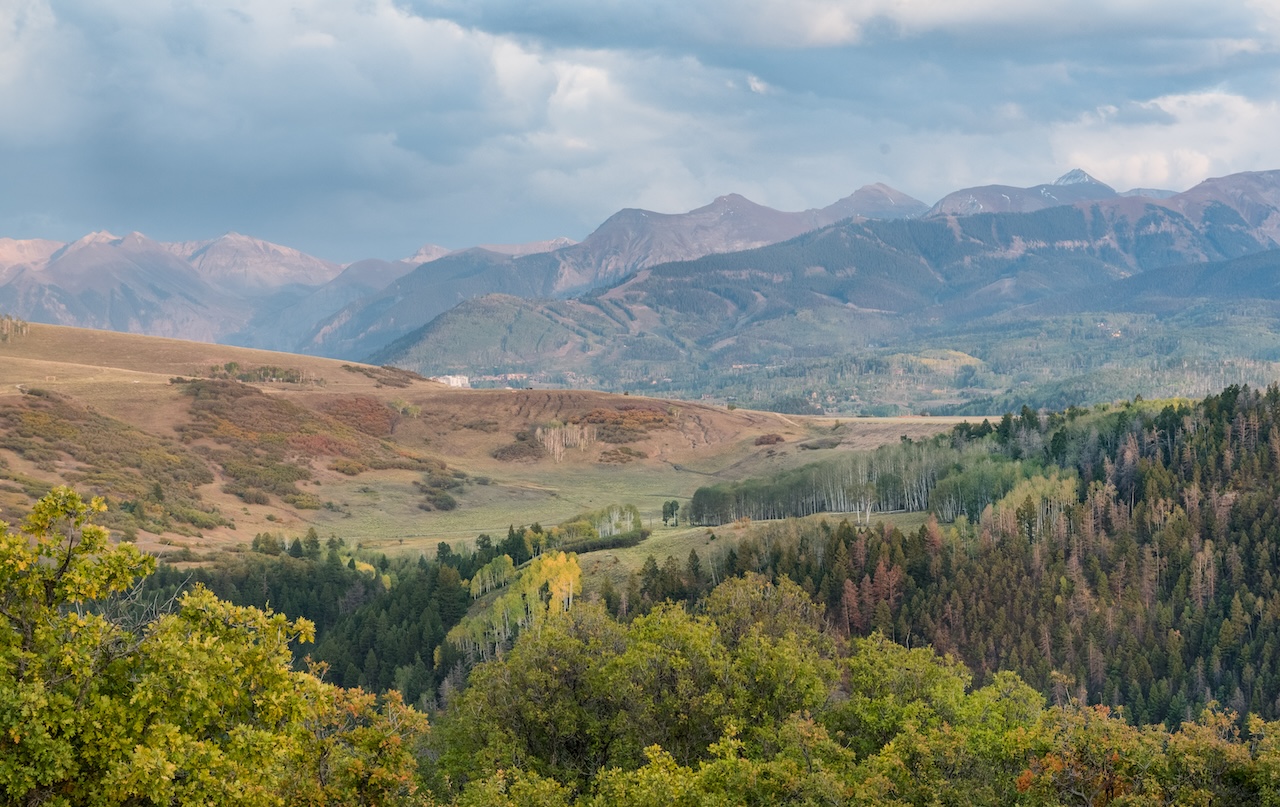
<point x="187" y="455"/>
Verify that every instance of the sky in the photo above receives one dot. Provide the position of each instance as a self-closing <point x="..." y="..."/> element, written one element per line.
<point x="367" y="128"/>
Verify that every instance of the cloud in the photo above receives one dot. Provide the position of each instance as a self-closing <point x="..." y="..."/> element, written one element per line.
<point x="1187" y="138"/>
<point x="835" y="23"/>
<point x="366" y="129"/>
<point x="247" y="104"/>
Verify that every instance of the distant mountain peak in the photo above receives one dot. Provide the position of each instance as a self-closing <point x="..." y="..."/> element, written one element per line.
<point x="94" y="239"/>
<point x="235" y="237"/>
<point x="427" y="253"/>
<point x="876" y="201"/>
<point x="732" y="201"/>
<point x="1072" y="187"/>
<point x="97" y="237"/>
<point x="134" y="238"/>
<point x="1076" y="177"/>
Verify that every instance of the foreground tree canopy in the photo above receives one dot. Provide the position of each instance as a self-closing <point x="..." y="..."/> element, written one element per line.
<point x="750" y="700"/>
<point x="746" y="696"/>
<point x="104" y="703"/>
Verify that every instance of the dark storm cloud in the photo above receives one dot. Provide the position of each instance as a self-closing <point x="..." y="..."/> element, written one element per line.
<point x="365" y="129"/>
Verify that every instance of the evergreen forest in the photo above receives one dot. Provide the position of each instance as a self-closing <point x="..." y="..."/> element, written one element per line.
<point x="1089" y="614"/>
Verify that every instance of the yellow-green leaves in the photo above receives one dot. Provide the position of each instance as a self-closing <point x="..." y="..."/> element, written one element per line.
<point x="197" y="706"/>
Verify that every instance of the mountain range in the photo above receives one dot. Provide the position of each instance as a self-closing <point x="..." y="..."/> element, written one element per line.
<point x="683" y="301"/>
<point x="253" y="293"/>
<point x="946" y="280"/>
<point x="627" y="241"/>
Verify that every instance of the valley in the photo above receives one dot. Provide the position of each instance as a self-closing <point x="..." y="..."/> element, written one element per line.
<point x="462" y="553"/>
<point x="578" y="404"/>
<point x="378" y="437"/>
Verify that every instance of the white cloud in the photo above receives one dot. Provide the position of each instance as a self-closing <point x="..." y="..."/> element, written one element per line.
<point x="37" y="73"/>
<point x="835" y="23"/>
<point x="315" y="39"/>
<point x="1201" y="134"/>
<point x="366" y="129"/>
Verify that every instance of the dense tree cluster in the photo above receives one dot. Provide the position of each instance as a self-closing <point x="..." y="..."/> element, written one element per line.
<point x="103" y="704"/>
<point x="12" y="328"/>
<point x="262" y="374"/>
<point x="1120" y="564"/>
<point x="1134" y="549"/>
<point x="377" y="621"/>
<point x="750" y="699"/>
<point x="747" y="697"/>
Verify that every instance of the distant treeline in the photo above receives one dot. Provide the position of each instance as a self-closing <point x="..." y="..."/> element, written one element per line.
<point x="959" y="479"/>
<point x="12" y="328"/>
<point x="268" y="373"/>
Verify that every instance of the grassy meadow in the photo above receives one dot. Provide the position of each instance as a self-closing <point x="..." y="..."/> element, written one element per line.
<point x="359" y="452"/>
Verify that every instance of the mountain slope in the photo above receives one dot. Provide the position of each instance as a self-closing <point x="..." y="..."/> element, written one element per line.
<point x="240" y="264"/>
<point x="867" y="288"/>
<point x="196" y="290"/>
<point x="373" y="321"/>
<point x="130" y="284"/>
<point x="1072" y="187"/>
<point x="627" y="241"/>
<point x="1176" y="289"/>
<point x="632" y="239"/>
<point x="15" y="254"/>
<point x="248" y="291"/>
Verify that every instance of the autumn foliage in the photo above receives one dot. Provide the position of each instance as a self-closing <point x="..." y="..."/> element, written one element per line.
<point x="105" y="702"/>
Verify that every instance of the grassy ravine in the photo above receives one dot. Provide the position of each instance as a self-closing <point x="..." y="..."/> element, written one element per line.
<point x="368" y="447"/>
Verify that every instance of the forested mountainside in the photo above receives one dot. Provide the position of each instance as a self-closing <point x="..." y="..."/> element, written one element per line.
<point x="1134" y="550"/>
<point x="751" y="697"/>
<point x="944" y="313"/>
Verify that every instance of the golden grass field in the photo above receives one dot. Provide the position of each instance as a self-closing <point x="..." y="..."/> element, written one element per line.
<point x="127" y="377"/>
